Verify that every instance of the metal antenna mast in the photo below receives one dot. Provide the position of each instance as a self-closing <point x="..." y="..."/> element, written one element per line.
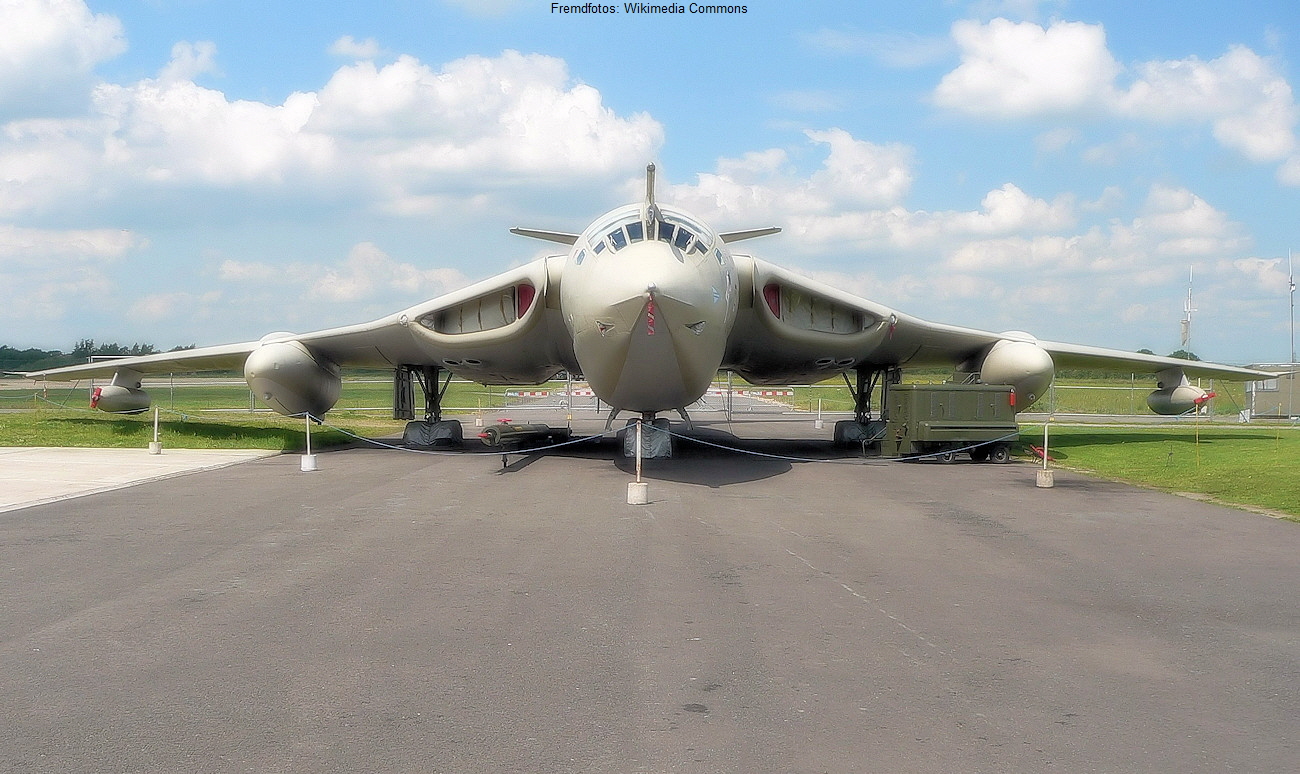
<point x="1187" y="315"/>
<point x="1290" y="276"/>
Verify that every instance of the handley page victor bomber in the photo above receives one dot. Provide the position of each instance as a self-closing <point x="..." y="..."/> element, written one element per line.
<point x="647" y="305"/>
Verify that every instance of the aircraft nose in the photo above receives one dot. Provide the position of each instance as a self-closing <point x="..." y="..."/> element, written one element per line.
<point x="649" y="323"/>
<point x="645" y="268"/>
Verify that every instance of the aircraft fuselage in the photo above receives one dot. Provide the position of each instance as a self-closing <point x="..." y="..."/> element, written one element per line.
<point x="649" y="297"/>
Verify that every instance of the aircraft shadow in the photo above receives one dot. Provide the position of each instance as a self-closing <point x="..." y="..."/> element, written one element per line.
<point x="714" y="458"/>
<point x="703" y="456"/>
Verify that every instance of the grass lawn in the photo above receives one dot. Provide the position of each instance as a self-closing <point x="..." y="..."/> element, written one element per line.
<point x="1256" y="465"/>
<point x="210" y="416"/>
<point x="64" y="427"/>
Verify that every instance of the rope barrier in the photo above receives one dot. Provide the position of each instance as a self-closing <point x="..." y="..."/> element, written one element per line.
<point x="584" y="439"/>
<point x="788" y="458"/>
<point x="487" y="453"/>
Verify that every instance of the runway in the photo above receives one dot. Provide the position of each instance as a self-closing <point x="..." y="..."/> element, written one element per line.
<point x="402" y="612"/>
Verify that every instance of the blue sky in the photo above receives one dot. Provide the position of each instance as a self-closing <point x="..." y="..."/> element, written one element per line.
<point x="193" y="171"/>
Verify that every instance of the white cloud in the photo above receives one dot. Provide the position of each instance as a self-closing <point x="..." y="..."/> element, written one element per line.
<point x="851" y="204"/>
<point x="1269" y="275"/>
<point x="857" y="171"/>
<point x="45" y="273"/>
<point x="177" y="133"/>
<point x="1016" y="254"/>
<point x="33" y="246"/>
<point x="1017" y="9"/>
<point x="1009" y="209"/>
<point x="1123" y="148"/>
<point x="1183" y="225"/>
<point x="854" y="174"/>
<point x="156" y="307"/>
<point x="248" y="271"/>
<point x="1110" y="199"/>
<point x="52" y="294"/>
<point x="406" y="138"/>
<point x="190" y="60"/>
<point x="351" y="48"/>
<point x="1247" y="101"/>
<point x="1013" y="70"/>
<point x="1056" y="139"/>
<point x="48" y="51"/>
<point x="368" y="271"/>
<point x="514" y="114"/>
<point x="1289" y="172"/>
<point x="367" y="274"/>
<point x="755" y="164"/>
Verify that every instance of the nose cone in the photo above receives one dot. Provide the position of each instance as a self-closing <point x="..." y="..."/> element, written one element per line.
<point x="649" y="324"/>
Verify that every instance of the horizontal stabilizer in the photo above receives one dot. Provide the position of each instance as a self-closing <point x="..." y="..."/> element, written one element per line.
<point x="737" y="236"/>
<point x="561" y="237"/>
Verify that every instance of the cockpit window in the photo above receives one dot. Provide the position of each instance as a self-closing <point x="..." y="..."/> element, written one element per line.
<point x="626" y="226"/>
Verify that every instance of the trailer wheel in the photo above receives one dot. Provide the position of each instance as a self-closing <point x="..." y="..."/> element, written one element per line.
<point x="1000" y="454"/>
<point x="946" y="457"/>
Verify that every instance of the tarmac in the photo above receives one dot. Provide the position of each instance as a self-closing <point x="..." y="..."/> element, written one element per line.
<point x="792" y="612"/>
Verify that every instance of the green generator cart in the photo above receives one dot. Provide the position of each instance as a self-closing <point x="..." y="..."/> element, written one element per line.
<point x="943" y="420"/>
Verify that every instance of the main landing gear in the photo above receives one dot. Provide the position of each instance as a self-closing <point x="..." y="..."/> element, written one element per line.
<point x="434" y="430"/>
<point x="862" y="430"/>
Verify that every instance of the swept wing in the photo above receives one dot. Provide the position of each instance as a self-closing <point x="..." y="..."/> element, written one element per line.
<point x="503" y="330"/>
<point x="798" y="330"/>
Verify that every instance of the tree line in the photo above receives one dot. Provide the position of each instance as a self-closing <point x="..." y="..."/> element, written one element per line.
<point x="32" y="359"/>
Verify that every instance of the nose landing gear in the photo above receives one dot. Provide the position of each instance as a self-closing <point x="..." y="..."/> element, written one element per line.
<point x="656" y="441"/>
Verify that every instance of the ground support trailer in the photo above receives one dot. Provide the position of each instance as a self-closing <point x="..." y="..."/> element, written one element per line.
<point x="939" y="421"/>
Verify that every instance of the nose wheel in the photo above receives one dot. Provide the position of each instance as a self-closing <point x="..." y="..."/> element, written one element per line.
<point x="656" y="440"/>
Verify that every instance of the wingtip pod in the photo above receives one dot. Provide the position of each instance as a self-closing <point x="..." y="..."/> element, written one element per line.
<point x="115" y="399"/>
<point x="289" y="378"/>
<point x="1178" y="400"/>
<point x="1175" y="394"/>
